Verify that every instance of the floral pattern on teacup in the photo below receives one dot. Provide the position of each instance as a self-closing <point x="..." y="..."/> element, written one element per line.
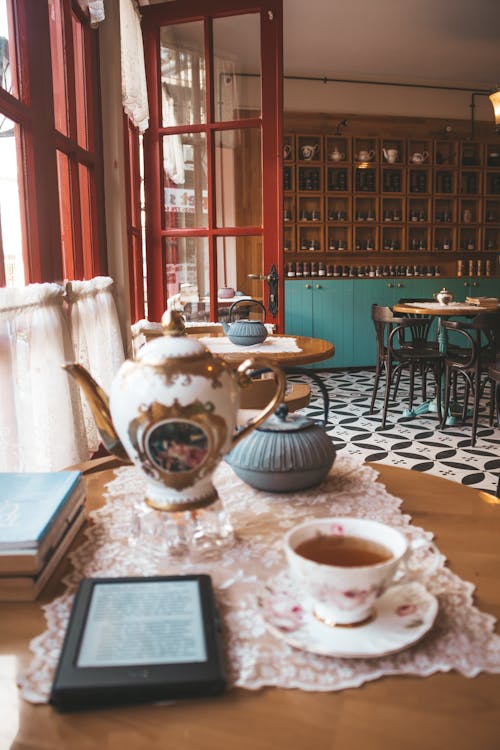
<point x="351" y="599"/>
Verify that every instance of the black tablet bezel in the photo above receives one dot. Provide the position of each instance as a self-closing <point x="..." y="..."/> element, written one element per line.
<point x="80" y="687"/>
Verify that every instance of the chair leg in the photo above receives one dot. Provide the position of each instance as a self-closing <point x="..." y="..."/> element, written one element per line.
<point x="475" y="413"/>
<point x="448" y="375"/>
<point x="375" y="387"/>
<point x="412" y="384"/>
<point x="386" y="394"/>
<point x="423" y="375"/>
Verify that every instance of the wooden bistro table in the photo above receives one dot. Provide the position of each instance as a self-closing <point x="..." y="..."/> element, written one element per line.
<point x="309" y="350"/>
<point x="453" y="309"/>
<point x="445" y="710"/>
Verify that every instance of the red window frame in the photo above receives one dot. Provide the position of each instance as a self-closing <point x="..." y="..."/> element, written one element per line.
<point x="32" y="110"/>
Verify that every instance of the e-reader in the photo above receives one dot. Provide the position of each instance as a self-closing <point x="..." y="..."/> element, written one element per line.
<point x="133" y="640"/>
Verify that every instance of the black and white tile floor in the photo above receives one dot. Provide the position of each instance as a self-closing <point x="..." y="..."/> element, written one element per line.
<point x="417" y="443"/>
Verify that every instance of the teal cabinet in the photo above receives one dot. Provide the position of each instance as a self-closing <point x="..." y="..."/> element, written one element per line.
<point x="339" y="310"/>
<point x="322" y="309"/>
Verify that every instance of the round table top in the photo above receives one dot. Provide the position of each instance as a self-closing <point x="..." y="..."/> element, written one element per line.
<point x="311" y="350"/>
<point x="463" y="309"/>
<point x="444" y="710"/>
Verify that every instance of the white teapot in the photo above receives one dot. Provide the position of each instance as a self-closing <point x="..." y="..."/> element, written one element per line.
<point x="365" y="155"/>
<point x="419" y="158"/>
<point x="391" y="155"/>
<point x="336" y="155"/>
<point x="309" y="151"/>
<point x="172" y="412"/>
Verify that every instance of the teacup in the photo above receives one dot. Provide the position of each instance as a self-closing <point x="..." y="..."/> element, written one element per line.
<point x="343" y="565"/>
<point x="308" y="151"/>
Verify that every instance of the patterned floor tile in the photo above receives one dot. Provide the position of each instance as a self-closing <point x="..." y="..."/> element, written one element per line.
<point x="418" y="444"/>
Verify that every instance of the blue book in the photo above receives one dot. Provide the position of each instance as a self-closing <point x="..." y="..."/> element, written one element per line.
<point x="30" y="504"/>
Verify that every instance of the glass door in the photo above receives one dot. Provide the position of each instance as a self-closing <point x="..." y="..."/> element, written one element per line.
<point x="212" y="156"/>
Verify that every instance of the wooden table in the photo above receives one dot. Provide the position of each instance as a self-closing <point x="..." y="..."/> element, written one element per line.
<point x="462" y="310"/>
<point x="441" y="712"/>
<point x="311" y="350"/>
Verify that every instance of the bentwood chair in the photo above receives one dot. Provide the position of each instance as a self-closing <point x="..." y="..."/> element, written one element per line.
<point x="402" y="345"/>
<point x="471" y="363"/>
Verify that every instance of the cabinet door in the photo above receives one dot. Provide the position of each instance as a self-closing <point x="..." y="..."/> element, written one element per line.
<point x="298" y="307"/>
<point x="332" y="319"/>
<point x="484" y="287"/>
<point x="409" y="288"/>
<point x="366" y="293"/>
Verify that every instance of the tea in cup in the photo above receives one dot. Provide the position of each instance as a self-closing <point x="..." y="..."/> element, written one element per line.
<point x="343" y="565"/>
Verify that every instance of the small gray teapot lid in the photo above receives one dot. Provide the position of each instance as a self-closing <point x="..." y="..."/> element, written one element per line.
<point x="282" y="421"/>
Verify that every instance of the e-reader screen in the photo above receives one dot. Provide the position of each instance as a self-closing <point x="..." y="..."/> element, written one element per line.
<point x="155" y="622"/>
<point x="140" y="639"/>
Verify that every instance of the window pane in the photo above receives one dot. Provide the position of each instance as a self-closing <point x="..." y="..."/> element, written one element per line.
<point x="182" y="56"/>
<point x="237" y="77"/>
<point x="238" y="178"/>
<point x="186" y="268"/>
<point x="58" y="66"/>
<point x="86" y="217"/>
<point x="80" y="82"/>
<point x="63" y="178"/>
<point x="10" y="206"/>
<point x="236" y="258"/>
<point x="185" y="169"/>
<point x="8" y="76"/>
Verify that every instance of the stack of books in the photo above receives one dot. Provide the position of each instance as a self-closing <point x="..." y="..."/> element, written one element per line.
<point x="40" y="515"/>
<point x="483" y="301"/>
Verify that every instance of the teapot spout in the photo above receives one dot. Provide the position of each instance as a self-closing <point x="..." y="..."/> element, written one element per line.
<point x="99" y="406"/>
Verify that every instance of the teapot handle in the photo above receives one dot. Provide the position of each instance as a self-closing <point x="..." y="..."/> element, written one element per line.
<point x="247" y="301"/>
<point x="244" y="379"/>
<point x="425" y="154"/>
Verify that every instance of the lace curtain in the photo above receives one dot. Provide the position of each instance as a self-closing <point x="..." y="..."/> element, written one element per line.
<point x="96" y="335"/>
<point x="45" y="424"/>
<point x="41" y="424"/>
<point x="134" y="90"/>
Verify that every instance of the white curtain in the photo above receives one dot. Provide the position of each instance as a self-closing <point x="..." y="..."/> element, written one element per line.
<point x="41" y="424"/>
<point x="134" y="89"/>
<point x="96" y="335"/>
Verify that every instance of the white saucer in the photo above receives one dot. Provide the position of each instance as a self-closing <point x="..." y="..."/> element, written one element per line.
<point x="403" y="615"/>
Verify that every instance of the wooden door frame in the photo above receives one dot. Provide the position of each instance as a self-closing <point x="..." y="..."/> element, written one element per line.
<point x="270" y="122"/>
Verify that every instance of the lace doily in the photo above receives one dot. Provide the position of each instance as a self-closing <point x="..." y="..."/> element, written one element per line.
<point x="461" y="639"/>
<point x="272" y="345"/>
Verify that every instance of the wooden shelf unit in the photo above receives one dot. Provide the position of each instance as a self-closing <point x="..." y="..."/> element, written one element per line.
<point x="391" y="191"/>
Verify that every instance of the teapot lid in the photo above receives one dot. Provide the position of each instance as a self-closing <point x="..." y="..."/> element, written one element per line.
<point x="282" y="421"/>
<point x="174" y="343"/>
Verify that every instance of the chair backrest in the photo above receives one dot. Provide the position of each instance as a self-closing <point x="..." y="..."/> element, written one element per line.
<point x="383" y="320"/>
<point x="487" y="326"/>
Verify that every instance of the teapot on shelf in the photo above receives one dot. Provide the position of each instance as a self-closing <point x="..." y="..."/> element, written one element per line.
<point x="172" y="412"/>
<point x="309" y="151"/>
<point x="336" y="155"/>
<point x="365" y="155"/>
<point x="245" y="332"/>
<point x="419" y="158"/>
<point x="391" y="155"/>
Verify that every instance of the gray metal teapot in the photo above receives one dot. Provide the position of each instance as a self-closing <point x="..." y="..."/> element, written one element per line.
<point x="245" y="332"/>
<point x="286" y="453"/>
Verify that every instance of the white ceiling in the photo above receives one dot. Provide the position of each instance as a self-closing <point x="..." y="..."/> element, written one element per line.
<point x="443" y="42"/>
